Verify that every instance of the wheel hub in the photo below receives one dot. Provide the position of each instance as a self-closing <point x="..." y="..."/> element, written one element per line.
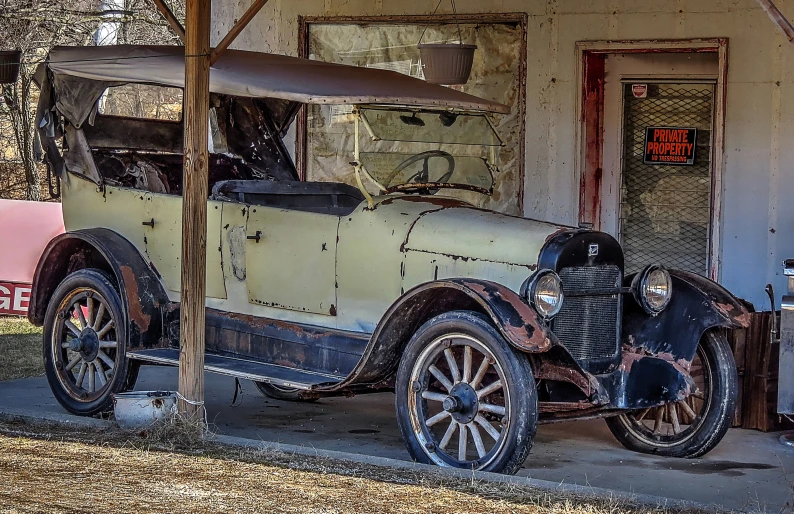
<point x="87" y="345"/>
<point x="462" y="403"/>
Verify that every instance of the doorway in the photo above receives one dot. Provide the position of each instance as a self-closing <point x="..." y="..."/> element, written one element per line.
<point x="652" y="146"/>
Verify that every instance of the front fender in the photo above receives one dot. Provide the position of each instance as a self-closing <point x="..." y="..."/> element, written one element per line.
<point x="518" y="323"/>
<point x="697" y="305"/>
<point x="142" y="295"/>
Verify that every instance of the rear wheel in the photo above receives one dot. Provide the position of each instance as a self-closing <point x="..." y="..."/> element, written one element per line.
<point x="289" y="394"/>
<point x="694" y="426"/>
<point x="85" y="343"/>
<point x="464" y="397"/>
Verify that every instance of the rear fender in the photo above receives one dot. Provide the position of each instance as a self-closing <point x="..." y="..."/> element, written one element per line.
<point x="142" y="295"/>
<point x="697" y="305"/>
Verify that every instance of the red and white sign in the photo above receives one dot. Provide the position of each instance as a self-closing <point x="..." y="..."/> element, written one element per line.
<point x="14" y="298"/>
<point x="639" y="90"/>
<point x="25" y="230"/>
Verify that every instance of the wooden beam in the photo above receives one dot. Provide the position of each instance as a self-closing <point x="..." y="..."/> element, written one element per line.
<point x="778" y="17"/>
<point x="194" y="209"/>
<point x="171" y="19"/>
<point x="256" y="6"/>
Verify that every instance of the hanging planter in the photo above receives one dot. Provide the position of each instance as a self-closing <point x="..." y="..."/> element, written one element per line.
<point x="9" y="66"/>
<point x="447" y="63"/>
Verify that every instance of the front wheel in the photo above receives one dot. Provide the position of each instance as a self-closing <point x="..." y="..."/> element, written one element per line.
<point x="85" y="341"/>
<point x="464" y="397"/>
<point x="692" y="427"/>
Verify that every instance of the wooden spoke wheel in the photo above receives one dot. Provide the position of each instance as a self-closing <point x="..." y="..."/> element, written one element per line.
<point x="464" y="398"/>
<point x="85" y="342"/>
<point x="693" y="426"/>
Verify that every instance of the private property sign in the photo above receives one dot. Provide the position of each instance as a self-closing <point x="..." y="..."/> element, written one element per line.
<point x="14" y="298"/>
<point x="670" y="145"/>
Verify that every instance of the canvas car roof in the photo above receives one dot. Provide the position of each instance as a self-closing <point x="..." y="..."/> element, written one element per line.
<point x="256" y="74"/>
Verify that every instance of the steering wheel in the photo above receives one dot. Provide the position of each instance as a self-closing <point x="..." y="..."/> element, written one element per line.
<point x="422" y="176"/>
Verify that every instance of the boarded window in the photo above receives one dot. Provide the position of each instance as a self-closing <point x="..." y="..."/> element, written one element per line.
<point x="392" y="46"/>
<point x="142" y="101"/>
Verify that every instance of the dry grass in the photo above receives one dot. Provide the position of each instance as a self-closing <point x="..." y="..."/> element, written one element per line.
<point x="21" y="349"/>
<point x="54" y="469"/>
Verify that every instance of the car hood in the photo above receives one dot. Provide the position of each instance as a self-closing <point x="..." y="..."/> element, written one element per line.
<point x="463" y="231"/>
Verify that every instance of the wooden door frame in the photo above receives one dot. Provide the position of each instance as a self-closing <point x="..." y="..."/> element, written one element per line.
<point x="520" y="18"/>
<point x="588" y="162"/>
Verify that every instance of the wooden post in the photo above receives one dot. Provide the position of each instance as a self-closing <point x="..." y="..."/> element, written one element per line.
<point x="194" y="208"/>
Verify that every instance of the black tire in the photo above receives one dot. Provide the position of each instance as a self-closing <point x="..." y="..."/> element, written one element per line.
<point x="289" y="394"/>
<point x="708" y="412"/>
<point x="508" y="409"/>
<point x="97" y="355"/>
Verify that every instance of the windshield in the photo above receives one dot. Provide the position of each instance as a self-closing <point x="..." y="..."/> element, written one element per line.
<point x="430" y="169"/>
<point x="424" y="150"/>
<point x="430" y="127"/>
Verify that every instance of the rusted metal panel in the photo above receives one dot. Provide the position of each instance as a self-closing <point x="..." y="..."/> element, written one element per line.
<point x="517" y="321"/>
<point x="696" y="305"/>
<point x="292" y="345"/>
<point x="142" y="295"/>
<point x="291" y="259"/>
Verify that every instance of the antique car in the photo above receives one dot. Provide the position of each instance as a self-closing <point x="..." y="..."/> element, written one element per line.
<point x="482" y="324"/>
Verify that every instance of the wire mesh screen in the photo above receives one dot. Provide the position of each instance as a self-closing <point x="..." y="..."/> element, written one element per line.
<point x="665" y="209"/>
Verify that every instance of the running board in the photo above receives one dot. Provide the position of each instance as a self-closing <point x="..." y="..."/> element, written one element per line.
<point x="242" y="368"/>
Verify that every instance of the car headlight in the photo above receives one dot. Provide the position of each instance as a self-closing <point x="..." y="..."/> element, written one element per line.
<point x="543" y="291"/>
<point x="652" y="288"/>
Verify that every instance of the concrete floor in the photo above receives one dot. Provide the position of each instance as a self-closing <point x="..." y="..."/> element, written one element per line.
<point x="748" y="471"/>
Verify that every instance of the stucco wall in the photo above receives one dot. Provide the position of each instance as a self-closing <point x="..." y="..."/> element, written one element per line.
<point x="758" y="183"/>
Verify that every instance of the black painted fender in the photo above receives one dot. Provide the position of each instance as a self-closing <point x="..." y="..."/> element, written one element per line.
<point x="520" y="325"/>
<point x="697" y="305"/>
<point x="142" y="294"/>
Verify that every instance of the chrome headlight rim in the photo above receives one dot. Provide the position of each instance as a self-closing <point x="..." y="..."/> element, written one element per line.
<point x="639" y="289"/>
<point x="530" y="288"/>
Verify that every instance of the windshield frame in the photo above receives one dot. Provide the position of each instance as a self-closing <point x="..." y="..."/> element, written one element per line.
<point x="361" y="109"/>
<point x="430" y="187"/>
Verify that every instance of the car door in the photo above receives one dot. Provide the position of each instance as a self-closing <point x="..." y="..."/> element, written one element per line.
<point x="291" y="259"/>
<point x="163" y="241"/>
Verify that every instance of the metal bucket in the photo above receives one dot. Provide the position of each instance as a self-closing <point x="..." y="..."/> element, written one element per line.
<point x="140" y="409"/>
<point x="447" y="64"/>
<point x="9" y="66"/>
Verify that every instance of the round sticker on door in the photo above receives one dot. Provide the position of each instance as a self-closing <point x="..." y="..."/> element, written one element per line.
<point x="640" y="90"/>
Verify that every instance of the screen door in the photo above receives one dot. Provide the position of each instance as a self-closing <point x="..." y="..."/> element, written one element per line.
<point x="665" y="194"/>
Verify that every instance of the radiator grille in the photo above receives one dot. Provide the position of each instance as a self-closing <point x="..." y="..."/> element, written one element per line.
<point x="588" y="326"/>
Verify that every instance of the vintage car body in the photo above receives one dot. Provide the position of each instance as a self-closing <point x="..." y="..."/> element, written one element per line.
<point x="319" y="289"/>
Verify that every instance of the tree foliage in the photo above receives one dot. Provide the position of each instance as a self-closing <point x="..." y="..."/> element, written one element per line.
<point x="35" y="27"/>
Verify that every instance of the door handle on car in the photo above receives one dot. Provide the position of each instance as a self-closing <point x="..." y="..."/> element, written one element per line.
<point x="257" y="237"/>
<point x="149" y="223"/>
